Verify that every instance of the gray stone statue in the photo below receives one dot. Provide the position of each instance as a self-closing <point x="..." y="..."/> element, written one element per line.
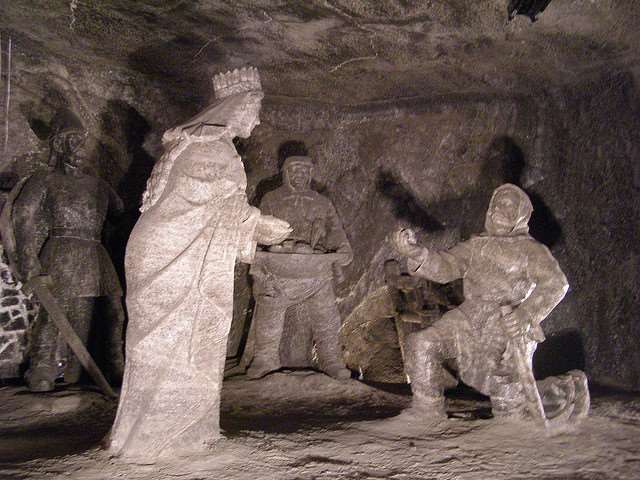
<point x="179" y="264"/>
<point x="511" y="283"/>
<point x="52" y="225"/>
<point x="298" y="274"/>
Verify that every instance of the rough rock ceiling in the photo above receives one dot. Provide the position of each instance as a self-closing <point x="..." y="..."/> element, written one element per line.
<point x="336" y="50"/>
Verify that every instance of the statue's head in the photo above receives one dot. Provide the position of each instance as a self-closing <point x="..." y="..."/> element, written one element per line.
<point x="235" y="113"/>
<point x="509" y="211"/>
<point x="297" y="172"/>
<point x="241" y="92"/>
<point x="67" y="137"/>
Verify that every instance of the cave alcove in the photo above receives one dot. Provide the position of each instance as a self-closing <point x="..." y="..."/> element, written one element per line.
<point x="413" y="113"/>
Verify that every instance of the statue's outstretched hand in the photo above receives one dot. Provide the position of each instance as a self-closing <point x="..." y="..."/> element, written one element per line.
<point x="405" y="243"/>
<point x="272" y="230"/>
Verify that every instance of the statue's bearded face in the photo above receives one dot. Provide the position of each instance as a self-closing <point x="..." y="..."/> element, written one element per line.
<point x="504" y="212"/>
<point x="298" y="176"/>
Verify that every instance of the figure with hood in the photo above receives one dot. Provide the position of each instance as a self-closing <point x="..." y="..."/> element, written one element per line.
<point x="179" y="265"/>
<point x="511" y="283"/>
<point x="52" y="225"/>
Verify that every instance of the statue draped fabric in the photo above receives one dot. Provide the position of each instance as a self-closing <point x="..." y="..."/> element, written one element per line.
<point x="179" y="269"/>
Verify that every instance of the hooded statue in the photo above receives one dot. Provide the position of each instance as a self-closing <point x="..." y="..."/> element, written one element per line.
<point x="511" y="283"/>
<point x="179" y="266"/>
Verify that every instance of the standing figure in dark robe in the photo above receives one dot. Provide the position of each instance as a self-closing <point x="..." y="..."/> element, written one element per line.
<point x="53" y="226"/>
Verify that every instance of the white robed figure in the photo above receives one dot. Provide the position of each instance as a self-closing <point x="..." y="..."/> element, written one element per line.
<point x="179" y="266"/>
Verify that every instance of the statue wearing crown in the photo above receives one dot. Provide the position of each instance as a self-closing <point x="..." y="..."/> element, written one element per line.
<point x="180" y="259"/>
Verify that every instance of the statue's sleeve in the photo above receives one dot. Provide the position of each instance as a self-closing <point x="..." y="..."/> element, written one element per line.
<point x="30" y="219"/>
<point x="442" y="267"/>
<point x="246" y="232"/>
<point x="550" y="284"/>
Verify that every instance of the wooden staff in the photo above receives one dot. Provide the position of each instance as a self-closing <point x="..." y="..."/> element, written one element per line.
<point x="525" y="375"/>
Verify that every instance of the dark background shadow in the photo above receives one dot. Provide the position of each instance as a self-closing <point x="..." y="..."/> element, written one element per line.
<point x="558" y="354"/>
<point x="406" y="206"/>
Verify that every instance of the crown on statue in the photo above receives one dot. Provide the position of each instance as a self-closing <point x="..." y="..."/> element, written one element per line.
<point x="244" y="80"/>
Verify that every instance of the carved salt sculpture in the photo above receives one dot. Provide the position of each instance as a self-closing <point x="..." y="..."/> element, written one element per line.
<point x="179" y="263"/>
<point x="374" y="334"/>
<point x="297" y="276"/>
<point x="511" y="283"/>
<point x="52" y="225"/>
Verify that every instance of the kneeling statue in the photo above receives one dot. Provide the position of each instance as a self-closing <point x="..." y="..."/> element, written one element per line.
<point x="511" y="283"/>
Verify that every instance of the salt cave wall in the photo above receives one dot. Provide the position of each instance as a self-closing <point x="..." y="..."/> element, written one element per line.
<point x="432" y="163"/>
<point x="592" y="188"/>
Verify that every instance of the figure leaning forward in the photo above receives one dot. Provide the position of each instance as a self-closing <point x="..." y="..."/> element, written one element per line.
<point x="511" y="283"/>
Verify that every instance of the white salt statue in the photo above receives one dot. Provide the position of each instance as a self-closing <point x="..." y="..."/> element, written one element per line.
<point x="179" y="269"/>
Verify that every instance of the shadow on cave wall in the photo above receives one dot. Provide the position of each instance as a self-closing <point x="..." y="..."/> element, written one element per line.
<point x="558" y="354"/>
<point x="181" y="79"/>
<point x="504" y="162"/>
<point x="509" y="159"/>
<point x="40" y="114"/>
<point x="132" y="129"/>
<point x="184" y="64"/>
<point x="406" y="207"/>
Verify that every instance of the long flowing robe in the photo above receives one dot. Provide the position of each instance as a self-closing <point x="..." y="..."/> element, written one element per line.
<point x="179" y="268"/>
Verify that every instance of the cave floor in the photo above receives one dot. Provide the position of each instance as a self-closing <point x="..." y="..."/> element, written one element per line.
<point x="307" y="426"/>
